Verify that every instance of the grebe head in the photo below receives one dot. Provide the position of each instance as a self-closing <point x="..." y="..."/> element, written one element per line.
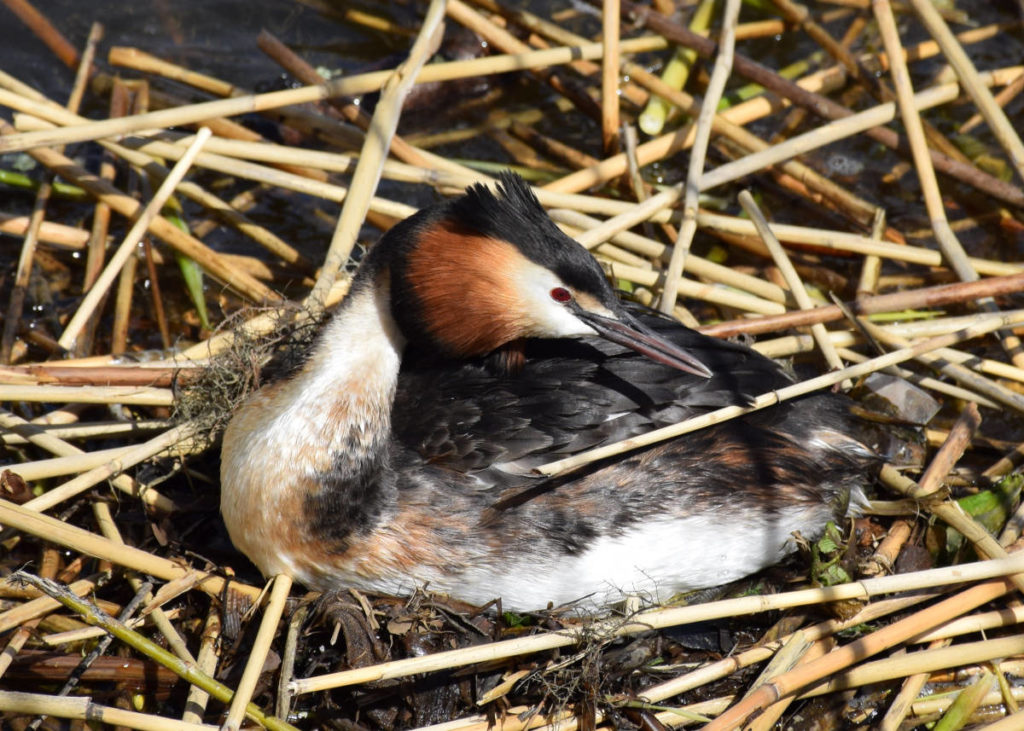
<point x="486" y="269"/>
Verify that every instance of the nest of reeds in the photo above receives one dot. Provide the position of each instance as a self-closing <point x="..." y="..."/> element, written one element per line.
<point x="890" y="263"/>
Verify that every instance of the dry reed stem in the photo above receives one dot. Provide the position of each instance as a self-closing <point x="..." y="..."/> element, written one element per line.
<point x="42" y="469"/>
<point x="55" y="531"/>
<point x="763" y="105"/>
<point x="962" y="375"/>
<point x="98" y="291"/>
<point x="400" y="148"/>
<point x="951" y="247"/>
<point x="258" y="655"/>
<point x="802" y="654"/>
<point x="729" y="665"/>
<point x="161" y="227"/>
<point x="139" y="60"/>
<point x="721" y="123"/>
<point x="789" y="274"/>
<point x="375" y="149"/>
<point x="51" y="443"/>
<point x="540" y="27"/>
<point x="1004" y="97"/>
<point x="826" y="134"/>
<point x="958" y="59"/>
<point x="724" y="668"/>
<point x="952" y="449"/>
<point x="167" y="441"/>
<point x="842" y="657"/>
<point x="168" y="145"/>
<point x="627" y="219"/>
<point x="928" y="382"/>
<point x="871" y="269"/>
<point x="938" y="326"/>
<point x="107" y="526"/>
<point x="49" y="563"/>
<point x="888" y="550"/>
<point x="949" y="454"/>
<point x="150" y="649"/>
<point x="78" y="374"/>
<point x="923" y="661"/>
<point x="610" y="76"/>
<point x="90" y="633"/>
<point x="903" y="703"/>
<point x="40" y="606"/>
<point x="25" y="259"/>
<point x="42" y="28"/>
<point x="276" y="178"/>
<point x="1011" y="722"/>
<point x="801" y="16"/>
<point x="940" y="702"/>
<point x="695" y="265"/>
<point x="346" y="86"/>
<point x="206" y="661"/>
<point x="954" y="515"/>
<point x="820" y="105"/>
<point x="894" y="302"/>
<point x="501" y="39"/>
<point x="767" y="298"/>
<point x="668" y="617"/>
<point x="985" y="324"/>
<point x="1002" y="467"/>
<point x="55" y="234"/>
<point x="46" y="110"/>
<point x="288" y="656"/>
<point x="88" y="394"/>
<point x="853" y="243"/>
<point x="85" y="709"/>
<point x="697" y="290"/>
<point x="698" y="154"/>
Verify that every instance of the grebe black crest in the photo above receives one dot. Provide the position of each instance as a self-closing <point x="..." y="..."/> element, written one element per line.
<point x="477" y="342"/>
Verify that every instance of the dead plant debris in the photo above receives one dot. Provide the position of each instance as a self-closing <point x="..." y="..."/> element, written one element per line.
<point x="133" y="600"/>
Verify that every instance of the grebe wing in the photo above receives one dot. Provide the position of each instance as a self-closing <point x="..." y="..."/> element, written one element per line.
<point x="571" y="395"/>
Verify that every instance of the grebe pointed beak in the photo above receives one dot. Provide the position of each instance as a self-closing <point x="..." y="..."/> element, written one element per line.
<point x="630" y="332"/>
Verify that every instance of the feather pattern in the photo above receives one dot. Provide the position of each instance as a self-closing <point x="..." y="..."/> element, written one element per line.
<point x="401" y="454"/>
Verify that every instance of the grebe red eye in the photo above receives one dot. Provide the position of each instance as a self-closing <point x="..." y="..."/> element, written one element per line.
<point x="561" y="294"/>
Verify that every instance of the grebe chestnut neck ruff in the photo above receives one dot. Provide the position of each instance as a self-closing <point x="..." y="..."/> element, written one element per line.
<point x="477" y="342"/>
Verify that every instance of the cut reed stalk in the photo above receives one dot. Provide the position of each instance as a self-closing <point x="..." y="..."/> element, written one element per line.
<point x="85" y="709"/>
<point x="375" y="149"/>
<point x="127" y="247"/>
<point x="258" y="655"/>
<point x="698" y="154"/>
<point x="56" y="531"/>
<point x="187" y="671"/>
<point x="805" y="675"/>
<point x="670" y="617"/>
<point x="347" y="86"/>
<point x="796" y="285"/>
<point x="952" y="250"/>
<point x="37" y="435"/>
<point x="964" y="68"/>
<point x="923" y="661"/>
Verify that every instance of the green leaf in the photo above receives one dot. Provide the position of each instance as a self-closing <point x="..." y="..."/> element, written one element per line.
<point x="191" y="272"/>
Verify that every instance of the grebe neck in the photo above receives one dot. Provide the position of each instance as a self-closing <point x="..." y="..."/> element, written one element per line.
<point x="303" y="458"/>
<point x="350" y="379"/>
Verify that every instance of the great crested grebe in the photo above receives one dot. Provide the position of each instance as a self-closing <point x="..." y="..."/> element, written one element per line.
<point x="477" y="342"/>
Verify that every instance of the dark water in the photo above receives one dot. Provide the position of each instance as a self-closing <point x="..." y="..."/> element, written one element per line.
<point x="217" y="37"/>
